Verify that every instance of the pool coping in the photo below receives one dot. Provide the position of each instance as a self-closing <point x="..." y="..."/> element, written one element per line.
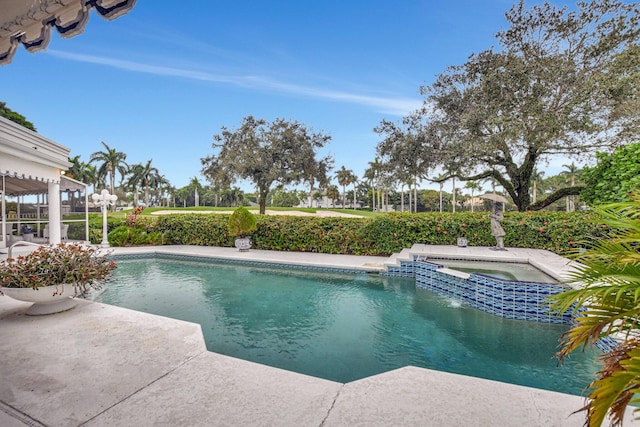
<point x="113" y="366"/>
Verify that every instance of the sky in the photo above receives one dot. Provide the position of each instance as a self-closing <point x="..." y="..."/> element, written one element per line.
<point x="160" y="81"/>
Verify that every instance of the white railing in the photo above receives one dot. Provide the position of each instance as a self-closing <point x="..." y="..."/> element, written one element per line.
<point x="20" y="243"/>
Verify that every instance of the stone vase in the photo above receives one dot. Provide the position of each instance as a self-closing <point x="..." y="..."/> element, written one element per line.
<point x="46" y="299"/>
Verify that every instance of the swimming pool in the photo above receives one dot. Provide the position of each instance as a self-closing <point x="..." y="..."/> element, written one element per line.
<point x="344" y="326"/>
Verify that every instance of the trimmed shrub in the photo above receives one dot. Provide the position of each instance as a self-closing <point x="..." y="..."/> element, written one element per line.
<point x="133" y="236"/>
<point x="383" y="235"/>
<point x="195" y="229"/>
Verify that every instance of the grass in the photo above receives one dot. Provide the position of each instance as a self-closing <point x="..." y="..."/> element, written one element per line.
<point x="149" y="211"/>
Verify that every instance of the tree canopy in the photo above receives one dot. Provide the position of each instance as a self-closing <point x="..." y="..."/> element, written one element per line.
<point x="616" y="177"/>
<point x="264" y="153"/>
<point x="18" y="118"/>
<point x="562" y="83"/>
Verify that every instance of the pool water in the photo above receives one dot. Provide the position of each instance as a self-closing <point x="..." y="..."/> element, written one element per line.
<point x="523" y="272"/>
<point x="342" y="326"/>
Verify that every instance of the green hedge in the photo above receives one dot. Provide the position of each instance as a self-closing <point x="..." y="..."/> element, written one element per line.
<point x="383" y="235"/>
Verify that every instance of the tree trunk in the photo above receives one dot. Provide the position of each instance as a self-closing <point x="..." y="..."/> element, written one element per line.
<point x="354" y="196"/>
<point x="472" y="200"/>
<point x="453" y="195"/>
<point x="373" y="198"/>
<point x="415" y="195"/>
<point x="262" y="194"/>
<point x="112" y="181"/>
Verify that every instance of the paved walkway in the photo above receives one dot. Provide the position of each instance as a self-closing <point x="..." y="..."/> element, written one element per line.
<point x="100" y="365"/>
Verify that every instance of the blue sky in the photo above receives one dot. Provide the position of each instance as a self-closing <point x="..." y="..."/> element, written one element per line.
<point x="158" y="83"/>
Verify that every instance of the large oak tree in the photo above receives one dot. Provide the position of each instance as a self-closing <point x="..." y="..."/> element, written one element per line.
<point x="562" y="83"/>
<point x="263" y="153"/>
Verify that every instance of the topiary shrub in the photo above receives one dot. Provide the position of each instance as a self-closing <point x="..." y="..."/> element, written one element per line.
<point x="242" y="222"/>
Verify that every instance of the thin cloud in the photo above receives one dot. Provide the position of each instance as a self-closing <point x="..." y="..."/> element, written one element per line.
<point x="395" y="106"/>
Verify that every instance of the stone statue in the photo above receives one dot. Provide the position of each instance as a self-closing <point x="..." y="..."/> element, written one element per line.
<point x="496" y="229"/>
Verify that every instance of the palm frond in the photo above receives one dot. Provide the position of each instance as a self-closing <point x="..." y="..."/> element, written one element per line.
<point x="618" y="383"/>
<point x="605" y="301"/>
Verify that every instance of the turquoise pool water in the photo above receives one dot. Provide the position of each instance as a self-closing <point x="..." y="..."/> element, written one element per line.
<point x="342" y="326"/>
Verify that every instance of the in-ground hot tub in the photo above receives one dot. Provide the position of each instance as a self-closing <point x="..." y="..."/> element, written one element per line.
<point x="519" y="271"/>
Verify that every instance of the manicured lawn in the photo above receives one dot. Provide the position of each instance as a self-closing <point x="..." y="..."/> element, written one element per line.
<point x="255" y="209"/>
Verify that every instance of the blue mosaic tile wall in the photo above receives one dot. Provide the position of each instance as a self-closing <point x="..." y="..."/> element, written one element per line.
<point x="406" y="269"/>
<point x="505" y="298"/>
<point x="606" y="344"/>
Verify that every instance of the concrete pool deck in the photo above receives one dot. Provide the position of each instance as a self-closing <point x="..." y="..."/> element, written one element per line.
<point x="100" y="365"/>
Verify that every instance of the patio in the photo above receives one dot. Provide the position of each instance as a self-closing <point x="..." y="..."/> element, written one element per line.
<point x="107" y="366"/>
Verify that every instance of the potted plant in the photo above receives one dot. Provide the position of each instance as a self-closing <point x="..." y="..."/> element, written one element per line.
<point x="241" y="224"/>
<point x="52" y="275"/>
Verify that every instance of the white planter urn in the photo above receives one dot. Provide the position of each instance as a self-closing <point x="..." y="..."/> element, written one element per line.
<point x="46" y="299"/>
<point x="243" y="244"/>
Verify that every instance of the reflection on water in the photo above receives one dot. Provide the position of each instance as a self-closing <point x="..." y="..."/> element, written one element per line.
<point x="344" y="327"/>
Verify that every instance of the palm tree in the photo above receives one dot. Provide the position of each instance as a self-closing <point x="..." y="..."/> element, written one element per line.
<point x="372" y="174"/>
<point x="317" y="196"/>
<point x="473" y="186"/>
<point x="83" y="172"/>
<point x="111" y="161"/>
<point x="159" y="187"/>
<point x="195" y="184"/>
<point x="333" y="193"/>
<point x="536" y="177"/>
<point x="150" y="178"/>
<point x="344" y="177"/>
<point x="607" y="303"/>
<point x="571" y="171"/>
<point x="316" y="171"/>
<point x="453" y="193"/>
<point x="354" y="181"/>
<point x="440" y="180"/>
<point x="75" y="170"/>
<point x="135" y="178"/>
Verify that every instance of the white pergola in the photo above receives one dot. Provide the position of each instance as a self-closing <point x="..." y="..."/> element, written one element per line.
<point x="31" y="164"/>
<point x="30" y="22"/>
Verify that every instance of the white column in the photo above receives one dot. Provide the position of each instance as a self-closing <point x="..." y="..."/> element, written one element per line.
<point x="54" y="212"/>
<point x="86" y="213"/>
<point x="3" y="243"/>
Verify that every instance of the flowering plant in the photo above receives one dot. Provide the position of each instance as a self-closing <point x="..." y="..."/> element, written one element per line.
<point x="81" y="266"/>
